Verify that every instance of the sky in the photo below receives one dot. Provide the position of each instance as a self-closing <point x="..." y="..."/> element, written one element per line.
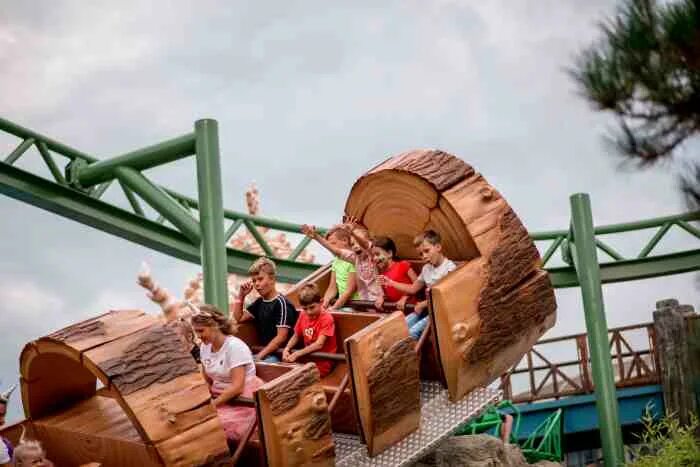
<point x="308" y="96"/>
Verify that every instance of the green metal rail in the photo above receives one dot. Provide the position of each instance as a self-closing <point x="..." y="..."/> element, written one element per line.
<point x="80" y="182"/>
<point x="544" y="443"/>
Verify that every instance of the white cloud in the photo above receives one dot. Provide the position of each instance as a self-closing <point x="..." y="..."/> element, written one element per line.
<point x="23" y="298"/>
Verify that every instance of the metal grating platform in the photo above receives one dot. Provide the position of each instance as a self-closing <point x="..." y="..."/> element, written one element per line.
<point x="439" y="418"/>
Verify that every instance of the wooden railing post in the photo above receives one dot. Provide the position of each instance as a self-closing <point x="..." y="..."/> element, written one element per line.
<point x="676" y="378"/>
<point x="582" y="346"/>
<point x="531" y="372"/>
<point x="654" y="350"/>
<point x="506" y="386"/>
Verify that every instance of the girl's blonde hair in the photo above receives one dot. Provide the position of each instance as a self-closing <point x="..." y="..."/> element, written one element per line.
<point x="210" y="316"/>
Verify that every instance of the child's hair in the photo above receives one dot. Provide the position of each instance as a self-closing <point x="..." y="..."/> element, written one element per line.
<point x="386" y="244"/>
<point x="210" y="316"/>
<point x="309" y="294"/>
<point x="342" y="234"/>
<point x="25" y="449"/>
<point x="429" y="236"/>
<point x="263" y="265"/>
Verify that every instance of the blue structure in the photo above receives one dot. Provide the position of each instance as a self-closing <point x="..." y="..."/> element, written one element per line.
<point x="579" y="413"/>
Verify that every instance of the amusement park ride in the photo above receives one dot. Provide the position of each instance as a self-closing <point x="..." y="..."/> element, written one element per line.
<point x="129" y="394"/>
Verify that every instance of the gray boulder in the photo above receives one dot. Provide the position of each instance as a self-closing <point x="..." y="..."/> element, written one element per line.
<point x="477" y="451"/>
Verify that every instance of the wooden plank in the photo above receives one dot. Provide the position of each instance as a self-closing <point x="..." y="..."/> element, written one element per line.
<point x="66" y="448"/>
<point x="395" y="204"/>
<point x="203" y="444"/>
<point x="482" y="330"/>
<point x="440" y="169"/>
<point x="676" y="374"/>
<point x="98" y="416"/>
<point x="452" y="230"/>
<point x="478" y="206"/>
<point x="167" y="409"/>
<point x="103" y="329"/>
<point x="293" y="414"/>
<point x="382" y="358"/>
<point x="137" y="360"/>
<point x="348" y="323"/>
<point x="29" y="353"/>
<point x="45" y="391"/>
<point x="270" y="371"/>
<point x="403" y="196"/>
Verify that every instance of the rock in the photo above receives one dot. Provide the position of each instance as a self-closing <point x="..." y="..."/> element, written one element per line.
<point x="477" y="451"/>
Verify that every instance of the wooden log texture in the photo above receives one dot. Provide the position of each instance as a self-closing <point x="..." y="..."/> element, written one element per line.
<point x="676" y="372"/>
<point x="382" y="358"/>
<point x="155" y="384"/>
<point x="499" y="302"/>
<point x="154" y="355"/>
<point x="402" y="197"/>
<point x="296" y="426"/>
<point x="93" y="430"/>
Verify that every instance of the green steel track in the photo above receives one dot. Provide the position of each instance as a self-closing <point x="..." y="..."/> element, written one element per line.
<point x="73" y="201"/>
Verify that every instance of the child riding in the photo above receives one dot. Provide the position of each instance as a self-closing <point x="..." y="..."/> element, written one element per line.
<point x="274" y="315"/>
<point x="315" y="327"/>
<point x="429" y="245"/>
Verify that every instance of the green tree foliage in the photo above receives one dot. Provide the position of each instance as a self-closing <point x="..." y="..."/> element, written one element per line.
<point x="645" y="69"/>
<point x="666" y="443"/>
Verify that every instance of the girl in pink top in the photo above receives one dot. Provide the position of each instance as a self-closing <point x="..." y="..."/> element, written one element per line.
<point x="361" y="256"/>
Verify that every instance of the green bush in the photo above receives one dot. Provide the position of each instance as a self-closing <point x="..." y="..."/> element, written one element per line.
<point x="667" y="444"/>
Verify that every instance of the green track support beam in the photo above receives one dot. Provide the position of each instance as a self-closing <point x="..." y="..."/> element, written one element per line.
<point x="211" y="214"/>
<point x="50" y="163"/>
<point x="19" y="150"/>
<point x="231" y="231"/>
<point x="80" y="207"/>
<point x="631" y="269"/>
<point x="60" y="199"/>
<point x="21" y="132"/>
<point x="586" y="263"/>
<point x="160" y="201"/>
<point x="141" y="159"/>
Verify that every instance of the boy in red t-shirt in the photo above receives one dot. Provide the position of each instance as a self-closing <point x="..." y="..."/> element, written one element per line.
<point x="384" y="251"/>
<point x="316" y="328"/>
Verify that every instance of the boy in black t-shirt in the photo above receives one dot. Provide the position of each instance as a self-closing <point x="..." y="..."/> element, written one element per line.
<point x="274" y="315"/>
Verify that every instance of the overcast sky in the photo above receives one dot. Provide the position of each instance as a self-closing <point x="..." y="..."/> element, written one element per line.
<point x="308" y="96"/>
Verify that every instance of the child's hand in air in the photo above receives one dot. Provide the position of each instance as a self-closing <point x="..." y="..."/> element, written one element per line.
<point x="285" y="355"/>
<point x="309" y="230"/>
<point x="245" y="289"/>
<point x="351" y="222"/>
<point x="291" y="357"/>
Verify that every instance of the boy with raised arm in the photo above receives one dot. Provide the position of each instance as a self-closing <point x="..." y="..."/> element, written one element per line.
<point x="274" y="315"/>
<point x="315" y="327"/>
<point x="436" y="267"/>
